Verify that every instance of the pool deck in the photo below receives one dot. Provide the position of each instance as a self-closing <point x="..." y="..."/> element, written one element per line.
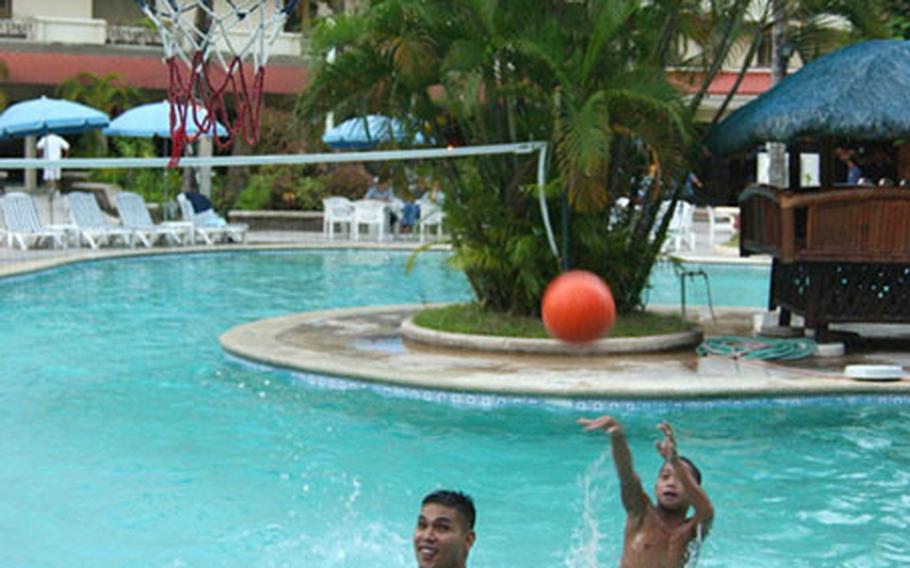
<point x="365" y="344"/>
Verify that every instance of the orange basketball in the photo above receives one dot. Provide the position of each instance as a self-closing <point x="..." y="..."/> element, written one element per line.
<point x="578" y="307"/>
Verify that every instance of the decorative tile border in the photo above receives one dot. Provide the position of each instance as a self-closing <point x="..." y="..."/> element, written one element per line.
<point x="489" y="401"/>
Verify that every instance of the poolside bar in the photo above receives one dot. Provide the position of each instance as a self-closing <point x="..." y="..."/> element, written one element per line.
<point x="839" y="254"/>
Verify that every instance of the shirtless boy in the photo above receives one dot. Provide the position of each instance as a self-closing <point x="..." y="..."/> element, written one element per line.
<point x="657" y="536"/>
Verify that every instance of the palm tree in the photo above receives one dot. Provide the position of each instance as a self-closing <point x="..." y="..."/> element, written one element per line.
<point x="104" y="93"/>
<point x="4" y="75"/>
<point x="574" y="73"/>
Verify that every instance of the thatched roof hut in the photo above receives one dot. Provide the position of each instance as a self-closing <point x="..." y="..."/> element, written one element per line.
<point x="860" y="92"/>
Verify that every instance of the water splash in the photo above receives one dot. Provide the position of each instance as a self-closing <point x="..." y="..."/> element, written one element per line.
<point x="693" y="549"/>
<point x="585" y="547"/>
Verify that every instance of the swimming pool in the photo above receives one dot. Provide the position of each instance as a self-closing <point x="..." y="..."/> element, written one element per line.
<point x="130" y="439"/>
<point x="731" y="285"/>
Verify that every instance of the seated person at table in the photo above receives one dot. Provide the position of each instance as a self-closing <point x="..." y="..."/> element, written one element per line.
<point x="411" y="210"/>
<point x="381" y="190"/>
<point x="434" y="195"/>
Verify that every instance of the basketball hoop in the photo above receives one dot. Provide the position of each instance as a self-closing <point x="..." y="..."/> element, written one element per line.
<point x="194" y="35"/>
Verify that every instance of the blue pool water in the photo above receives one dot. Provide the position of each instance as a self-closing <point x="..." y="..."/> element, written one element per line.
<point x="732" y="285"/>
<point x="129" y="439"/>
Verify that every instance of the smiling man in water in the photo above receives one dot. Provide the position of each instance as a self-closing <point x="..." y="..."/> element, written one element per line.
<point x="657" y="536"/>
<point x="445" y="530"/>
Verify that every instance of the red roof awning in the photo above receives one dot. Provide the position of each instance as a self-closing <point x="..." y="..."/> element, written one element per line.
<point x="144" y="72"/>
<point x="754" y="83"/>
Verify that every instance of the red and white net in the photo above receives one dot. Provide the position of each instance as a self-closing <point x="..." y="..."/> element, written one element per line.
<point x="206" y="44"/>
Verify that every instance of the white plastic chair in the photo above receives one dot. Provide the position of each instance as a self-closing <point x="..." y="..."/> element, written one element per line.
<point x="23" y="225"/>
<point x="337" y="210"/>
<point x="681" y="227"/>
<point x="372" y="213"/>
<point x="86" y="215"/>
<point x="721" y="220"/>
<point x="135" y="216"/>
<point x="210" y="228"/>
<point x="431" y="215"/>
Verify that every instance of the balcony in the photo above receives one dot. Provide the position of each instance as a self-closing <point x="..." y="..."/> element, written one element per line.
<point x="78" y="31"/>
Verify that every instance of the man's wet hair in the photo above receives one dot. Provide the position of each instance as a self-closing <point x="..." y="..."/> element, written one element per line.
<point x="695" y="471"/>
<point x="457" y="500"/>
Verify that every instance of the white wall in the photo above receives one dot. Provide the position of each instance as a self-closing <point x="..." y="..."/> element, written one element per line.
<point x="52" y="8"/>
<point x="809" y="169"/>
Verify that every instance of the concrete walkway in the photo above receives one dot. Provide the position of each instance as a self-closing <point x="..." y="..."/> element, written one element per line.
<point x="366" y="344"/>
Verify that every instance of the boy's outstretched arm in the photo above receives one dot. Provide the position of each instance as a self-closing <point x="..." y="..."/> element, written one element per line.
<point x="704" y="511"/>
<point x="634" y="498"/>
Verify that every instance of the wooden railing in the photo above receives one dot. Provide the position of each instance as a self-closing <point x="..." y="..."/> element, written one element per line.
<point x="845" y="224"/>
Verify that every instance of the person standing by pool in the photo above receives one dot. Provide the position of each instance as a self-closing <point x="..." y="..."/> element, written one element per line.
<point x="445" y="530"/>
<point x="52" y="147"/>
<point x="657" y="536"/>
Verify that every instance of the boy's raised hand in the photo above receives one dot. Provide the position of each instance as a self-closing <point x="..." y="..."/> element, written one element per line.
<point x="606" y="423"/>
<point x="667" y="446"/>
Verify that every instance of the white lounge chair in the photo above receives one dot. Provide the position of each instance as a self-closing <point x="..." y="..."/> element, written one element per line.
<point x="23" y="225"/>
<point x="135" y="216"/>
<point x="86" y="215"/>
<point x="336" y="211"/>
<point x="431" y="215"/>
<point x="372" y="213"/>
<point x="210" y="227"/>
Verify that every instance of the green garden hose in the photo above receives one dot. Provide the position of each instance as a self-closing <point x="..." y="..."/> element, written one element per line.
<point x="763" y="348"/>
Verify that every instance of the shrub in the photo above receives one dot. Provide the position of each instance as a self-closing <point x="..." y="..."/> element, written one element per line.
<point x="349" y="180"/>
<point x="281" y="187"/>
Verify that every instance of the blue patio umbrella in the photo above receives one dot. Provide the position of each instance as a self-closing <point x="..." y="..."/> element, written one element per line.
<point x="154" y="119"/>
<point x="36" y="117"/>
<point x="366" y="132"/>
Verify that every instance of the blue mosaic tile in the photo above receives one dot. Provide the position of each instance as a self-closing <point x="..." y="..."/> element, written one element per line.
<point x="491" y="401"/>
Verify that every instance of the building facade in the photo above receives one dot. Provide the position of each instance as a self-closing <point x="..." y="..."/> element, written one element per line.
<point x="45" y="42"/>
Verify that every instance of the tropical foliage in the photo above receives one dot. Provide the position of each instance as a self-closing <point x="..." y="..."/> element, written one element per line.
<point x="4" y="75"/>
<point x="575" y="74"/>
<point x="588" y="77"/>
<point x="103" y="92"/>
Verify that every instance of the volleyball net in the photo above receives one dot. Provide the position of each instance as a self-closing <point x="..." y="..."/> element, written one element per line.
<point x="380" y="158"/>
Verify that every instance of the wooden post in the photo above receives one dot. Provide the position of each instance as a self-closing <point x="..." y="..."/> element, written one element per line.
<point x="31" y="174"/>
<point x="826" y="157"/>
<point x="794" y="167"/>
<point x="903" y="161"/>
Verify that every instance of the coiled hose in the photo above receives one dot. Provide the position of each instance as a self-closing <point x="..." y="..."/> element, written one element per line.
<point x="763" y="348"/>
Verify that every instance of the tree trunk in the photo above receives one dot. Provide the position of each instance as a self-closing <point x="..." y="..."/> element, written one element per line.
<point x="777" y="173"/>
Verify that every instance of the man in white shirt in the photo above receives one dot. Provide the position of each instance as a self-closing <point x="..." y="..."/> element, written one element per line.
<point x="52" y="147"/>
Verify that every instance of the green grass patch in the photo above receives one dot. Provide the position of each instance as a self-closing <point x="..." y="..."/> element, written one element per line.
<point x="472" y="319"/>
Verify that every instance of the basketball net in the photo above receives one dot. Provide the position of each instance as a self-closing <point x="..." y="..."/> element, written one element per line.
<point x="205" y="49"/>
